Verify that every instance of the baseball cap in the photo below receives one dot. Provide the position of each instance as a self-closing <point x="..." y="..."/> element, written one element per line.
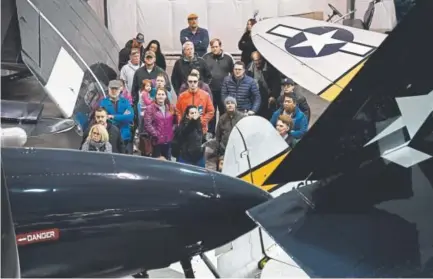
<point x="140" y="38"/>
<point x="115" y="83"/>
<point x="192" y="16"/>
<point x="149" y="53"/>
<point x="288" y="81"/>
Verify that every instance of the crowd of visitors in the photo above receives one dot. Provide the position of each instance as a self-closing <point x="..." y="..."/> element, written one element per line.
<point x="207" y="94"/>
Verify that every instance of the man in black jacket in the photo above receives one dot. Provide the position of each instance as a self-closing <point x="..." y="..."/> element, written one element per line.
<point x="183" y="66"/>
<point x="100" y="117"/>
<point x="269" y="81"/>
<point x="221" y="65"/>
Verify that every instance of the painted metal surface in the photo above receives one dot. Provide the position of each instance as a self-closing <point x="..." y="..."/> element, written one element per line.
<point x="117" y="214"/>
<point x="369" y="213"/>
<point x="308" y="50"/>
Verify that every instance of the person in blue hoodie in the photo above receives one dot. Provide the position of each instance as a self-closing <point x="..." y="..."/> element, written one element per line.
<point x="120" y="113"/>
<point x="300" y="121"/>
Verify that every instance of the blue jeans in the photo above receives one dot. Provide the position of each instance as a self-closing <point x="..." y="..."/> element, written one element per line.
<point x="199" y="163"/>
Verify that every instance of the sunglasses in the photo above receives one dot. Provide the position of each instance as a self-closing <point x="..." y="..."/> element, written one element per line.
<point x="192" y="81"/>
<point x="149" y="57"/>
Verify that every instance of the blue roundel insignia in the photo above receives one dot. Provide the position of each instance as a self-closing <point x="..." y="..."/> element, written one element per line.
<point x="332" y="47"/>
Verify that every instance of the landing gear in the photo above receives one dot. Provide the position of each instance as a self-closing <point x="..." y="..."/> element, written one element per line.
<point x="187" y="268"/>
<point x="142" y="274"/>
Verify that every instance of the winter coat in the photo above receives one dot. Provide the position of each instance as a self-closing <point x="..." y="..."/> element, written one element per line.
<point x="127" y="73"/>
<point x="114" y="137"/>
<point x="220" y="66"/>
<point x="300" y="122"/>
<point x="89" y="145"/>
<point x="182" y="68"/>
<point x="200" y="39"/>
<point x="202" y="101"/>
<point x="224" y="128"/>
<point x="190" y="138"/>
<point x="123" y="115"/>
<point x="159" y="124"/>
<point x="142" y="74"/>
<point x="203" y="86"/>
<point x="247" y="47"/>
<point x="244" y="90"/>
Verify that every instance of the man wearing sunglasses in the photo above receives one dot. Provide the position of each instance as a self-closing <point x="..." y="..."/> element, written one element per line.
<point x="197" y="97"/>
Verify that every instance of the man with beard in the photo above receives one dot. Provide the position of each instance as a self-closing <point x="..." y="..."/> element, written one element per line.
<point x="149" y="71"/>
<point x="100" y="117"/>
<point x="120" y="113"/>
<point x="300" y="121"/>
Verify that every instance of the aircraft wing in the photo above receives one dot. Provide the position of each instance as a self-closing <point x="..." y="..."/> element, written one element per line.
<point x="320" y="56"/>
<point x="68" y="50"/>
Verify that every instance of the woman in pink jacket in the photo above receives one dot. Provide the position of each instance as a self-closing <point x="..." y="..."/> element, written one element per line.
<point x="159" y="121"/>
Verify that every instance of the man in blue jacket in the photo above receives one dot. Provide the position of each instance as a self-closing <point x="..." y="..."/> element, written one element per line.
<point x="197" y="35"/>
<point x="243" y="88"/>
<point x="120" y="113"/>
<point x="300" y="121"/>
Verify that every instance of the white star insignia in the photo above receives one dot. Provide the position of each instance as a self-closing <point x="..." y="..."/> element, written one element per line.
<point x="318" y="42"/>
<point x="414" y="112"/>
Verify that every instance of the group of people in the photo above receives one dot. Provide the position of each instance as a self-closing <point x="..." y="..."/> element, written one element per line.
<point x="176" y="116"/>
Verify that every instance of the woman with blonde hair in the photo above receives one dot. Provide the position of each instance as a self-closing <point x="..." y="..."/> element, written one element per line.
<point x="97" y="140"/>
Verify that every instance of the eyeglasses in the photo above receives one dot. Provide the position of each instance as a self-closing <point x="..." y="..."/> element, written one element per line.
<point x="192" y="81"/>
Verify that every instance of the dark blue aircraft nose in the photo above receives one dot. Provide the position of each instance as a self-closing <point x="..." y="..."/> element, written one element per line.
<point x="234" y="197"/>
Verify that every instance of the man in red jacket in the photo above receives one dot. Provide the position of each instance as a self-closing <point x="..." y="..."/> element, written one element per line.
<point x="197" y="97"/>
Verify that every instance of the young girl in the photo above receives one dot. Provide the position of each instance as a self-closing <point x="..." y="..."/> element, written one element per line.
<point x="145" y="99"/>
<point x="143" y="102"/>
<point x="159" y="120"/>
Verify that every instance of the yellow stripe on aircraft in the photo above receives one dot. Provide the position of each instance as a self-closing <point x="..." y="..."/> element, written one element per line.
<point x="335" y="89"/>
<point x="261" y="174"/>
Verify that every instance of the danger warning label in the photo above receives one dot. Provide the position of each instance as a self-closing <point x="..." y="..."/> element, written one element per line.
<point x="38" y="236"/>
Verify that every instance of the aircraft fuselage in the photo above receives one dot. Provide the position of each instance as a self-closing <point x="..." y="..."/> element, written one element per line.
<point x="86" y="214"/>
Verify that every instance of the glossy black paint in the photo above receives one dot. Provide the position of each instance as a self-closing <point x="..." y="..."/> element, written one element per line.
<point x="118" y="214"/>
<point x="366" y="216"/>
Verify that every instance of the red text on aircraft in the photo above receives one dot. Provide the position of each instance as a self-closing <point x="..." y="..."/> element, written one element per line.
<point x="38" y="236"/>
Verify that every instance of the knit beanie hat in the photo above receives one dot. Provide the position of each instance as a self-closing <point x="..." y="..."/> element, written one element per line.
<point x="230" y="99"/>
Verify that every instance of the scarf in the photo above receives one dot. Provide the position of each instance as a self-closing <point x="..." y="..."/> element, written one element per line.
<point x="97" y="145"/>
